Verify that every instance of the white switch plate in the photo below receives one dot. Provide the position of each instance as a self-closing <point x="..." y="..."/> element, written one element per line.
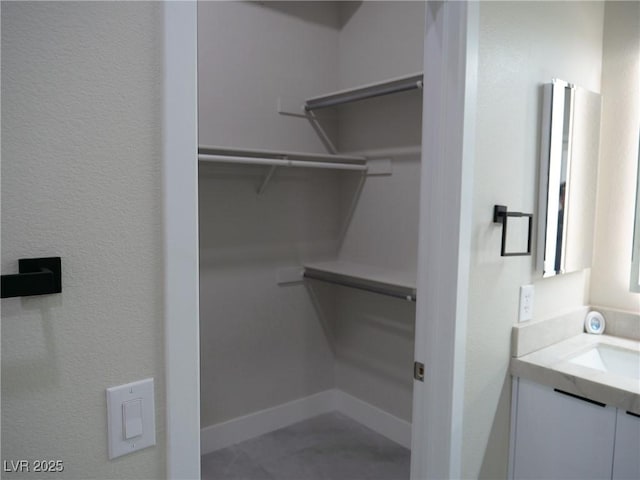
<point x="116" y="397"/>
<point x="526" y="303"/>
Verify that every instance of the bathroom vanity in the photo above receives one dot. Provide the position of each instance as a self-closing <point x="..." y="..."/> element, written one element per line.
<point x="575" y="403"/>
<point x="559" y="435"/>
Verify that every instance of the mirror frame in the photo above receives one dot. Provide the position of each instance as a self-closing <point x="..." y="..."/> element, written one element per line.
<point x="557" y="118"/>
<point x="634" y="278"/>
<point x="569" y="158"/>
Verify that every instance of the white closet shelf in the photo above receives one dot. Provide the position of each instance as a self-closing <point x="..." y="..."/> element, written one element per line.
<point x="364" y="277"/>
<point x="386" y="87"/>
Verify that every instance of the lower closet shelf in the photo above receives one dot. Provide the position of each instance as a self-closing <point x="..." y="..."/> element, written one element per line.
<point x="364" y="277"/>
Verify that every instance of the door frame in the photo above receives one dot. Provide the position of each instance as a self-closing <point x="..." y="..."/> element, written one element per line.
<point x="451" y="43"/>
<point x="180" y="221"/>
<point x="446" y="189"/>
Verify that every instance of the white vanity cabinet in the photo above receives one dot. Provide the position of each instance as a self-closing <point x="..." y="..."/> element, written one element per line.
<point x="626" y="457"/>
<point x="558" y="436"/>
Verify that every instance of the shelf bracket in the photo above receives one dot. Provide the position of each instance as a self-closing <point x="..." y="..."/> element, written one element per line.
<point x="267" y="178"/>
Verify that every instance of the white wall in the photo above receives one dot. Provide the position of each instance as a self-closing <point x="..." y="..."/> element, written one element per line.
<point x="292" y="341"/>
<point x="378" y="41"/>
<point x="522" y="45"/>
<point x="375" y="334"/>
<point x="81" y="149"/>
<point x="618" y="158"/>
<point x="262" y="344"/>
<point x="252" y="53"/>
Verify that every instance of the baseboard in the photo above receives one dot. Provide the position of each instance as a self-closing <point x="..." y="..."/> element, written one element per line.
<point x="376" y="419"/>
<point x="239" y="429"/>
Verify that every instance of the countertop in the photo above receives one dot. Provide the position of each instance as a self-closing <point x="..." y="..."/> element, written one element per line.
<point x="550" y="366"/>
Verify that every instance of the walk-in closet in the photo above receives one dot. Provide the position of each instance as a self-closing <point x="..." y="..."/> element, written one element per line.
<point x="309" y="188"/>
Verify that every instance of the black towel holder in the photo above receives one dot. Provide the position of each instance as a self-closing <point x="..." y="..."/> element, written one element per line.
<point x="500" y="215"/>
<point x="37" y="276"/>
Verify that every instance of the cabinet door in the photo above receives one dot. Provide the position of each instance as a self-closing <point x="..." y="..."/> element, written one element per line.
<point x="626" y="457"/>
<point x="561" y="437"/>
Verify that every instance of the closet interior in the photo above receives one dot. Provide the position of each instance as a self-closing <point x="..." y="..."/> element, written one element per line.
<point x="309" y="181"/>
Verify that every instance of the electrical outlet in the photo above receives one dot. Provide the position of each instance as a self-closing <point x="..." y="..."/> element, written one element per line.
<point x="526" y="303"/>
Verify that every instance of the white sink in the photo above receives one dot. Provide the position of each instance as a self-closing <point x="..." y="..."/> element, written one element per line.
<point x="605" y="358"/>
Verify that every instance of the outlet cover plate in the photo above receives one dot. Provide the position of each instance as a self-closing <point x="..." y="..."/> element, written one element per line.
<point x="526" y="303"/>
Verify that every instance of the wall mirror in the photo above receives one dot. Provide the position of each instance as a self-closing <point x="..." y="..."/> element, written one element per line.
<point x="568" y="177"/>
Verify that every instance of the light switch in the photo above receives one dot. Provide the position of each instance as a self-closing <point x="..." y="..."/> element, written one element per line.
<point x="132" y="418"/>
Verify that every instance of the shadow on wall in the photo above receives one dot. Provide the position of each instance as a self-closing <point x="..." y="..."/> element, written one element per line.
<point x="309" y="11"/>
<point x="498" y="441"/>
<point x="389" y="319"/>
<point x="39" y="361"/>
<point x="297" y="217"/>
<point x="323" y="297"/>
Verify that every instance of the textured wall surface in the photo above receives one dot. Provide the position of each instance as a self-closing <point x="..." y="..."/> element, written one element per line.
<point x="81" y="146"/>
<point x="522" y="46"/>
<point x="618" y="158"/>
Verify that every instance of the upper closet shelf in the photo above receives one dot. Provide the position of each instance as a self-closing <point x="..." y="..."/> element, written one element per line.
<point x="364" y="277"/>
<point x="394" y="85"/>
<point x="207" y="153"/>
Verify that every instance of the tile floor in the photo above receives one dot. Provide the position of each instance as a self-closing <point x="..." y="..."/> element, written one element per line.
<point x="326" y="447"/>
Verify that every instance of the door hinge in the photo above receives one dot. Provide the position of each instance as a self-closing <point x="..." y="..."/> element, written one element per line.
<point x="418" y="371"/>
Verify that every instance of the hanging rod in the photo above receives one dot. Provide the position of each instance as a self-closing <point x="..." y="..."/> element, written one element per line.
<point x="279" y="162"/>
<point x="387" y="87"/>
<point x="367" y="285"/>
<point x="280" y="154"/>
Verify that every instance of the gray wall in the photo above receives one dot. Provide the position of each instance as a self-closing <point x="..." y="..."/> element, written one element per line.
<point x="252" y="53"/>
<point x="374" y="334"/>
<point x="264" y="344"/>
<point x="81" y="149"/>
<point x="522" y="45"/>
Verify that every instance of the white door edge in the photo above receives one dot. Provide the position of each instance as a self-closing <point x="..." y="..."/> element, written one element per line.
<point x="180" y="219"/>
<point x="448" y="149"/>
